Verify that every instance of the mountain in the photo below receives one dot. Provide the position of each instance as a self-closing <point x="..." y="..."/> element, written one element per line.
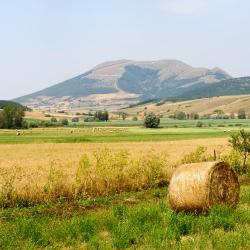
<point x="234" y="86"/>
<point x="117" y="84"/>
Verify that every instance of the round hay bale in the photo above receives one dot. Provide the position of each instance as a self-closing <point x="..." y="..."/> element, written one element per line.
<point x="199" y="186"/>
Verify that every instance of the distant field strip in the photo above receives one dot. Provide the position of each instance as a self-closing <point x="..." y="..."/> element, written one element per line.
<point x="111" y="134"/>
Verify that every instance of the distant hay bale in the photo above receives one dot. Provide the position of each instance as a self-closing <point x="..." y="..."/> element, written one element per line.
<point x="199" y="186"/>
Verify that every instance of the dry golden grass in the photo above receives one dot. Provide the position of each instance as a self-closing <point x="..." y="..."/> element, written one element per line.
<point x="40" y="172"/>
<point x="39" y="115"/>
<point x="202" y="106"/>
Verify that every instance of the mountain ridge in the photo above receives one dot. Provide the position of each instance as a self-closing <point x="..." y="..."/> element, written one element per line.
<point x="120" y="83"/>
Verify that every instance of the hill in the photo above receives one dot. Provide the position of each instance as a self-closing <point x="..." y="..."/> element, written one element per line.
<point x="229" y="104"/>
<point x="234" y="86"/>
<point x="117" y="84"/>
<point x="4" y="103"/>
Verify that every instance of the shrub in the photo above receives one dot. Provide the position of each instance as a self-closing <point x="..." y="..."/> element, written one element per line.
<point x="241" y="114"/>
<point x="75" y="119"/>
<point x="151" y="121"/>
<point x="112" y="173"/>
<point x="234" y="160"/>
<point x="180" y="115"/>
<point x="64" y="122"/>
<point x="240" y="142"/>
<point x="53" y="120"/>
<point x="33" y="124"/>
<point x="197" y="156"/>
<point x="135" y="118"/>
<point x="90" y="119"/>
<point x="199" y="124"/>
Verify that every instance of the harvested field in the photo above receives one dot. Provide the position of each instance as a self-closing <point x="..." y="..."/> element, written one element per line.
<point x="31" y="155"/>
<point x="32" y="173"/>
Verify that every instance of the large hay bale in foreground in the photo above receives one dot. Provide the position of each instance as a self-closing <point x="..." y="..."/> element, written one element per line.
<point x="198" y="186"/>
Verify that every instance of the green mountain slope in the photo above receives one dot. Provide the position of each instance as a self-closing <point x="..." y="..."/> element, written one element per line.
<point x="4" y="103"/>
<point x="234" y="86"/>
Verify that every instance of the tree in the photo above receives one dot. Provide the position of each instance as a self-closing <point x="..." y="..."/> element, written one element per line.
<point x="102" y="115"/>
<point x="180" y="115"/>
<point x="199" y="124"/>
<point x="64" y="122"/>
<point x="232" y="116"/>
<point x="241" y="114"/>
<point x="151" y="121"/>
<point x="124" y="116"/>
<point x="241" y="143"/>
<point x="53" y="119"/>
<point x="12" y="117"/>
<point x="194" y="116"/>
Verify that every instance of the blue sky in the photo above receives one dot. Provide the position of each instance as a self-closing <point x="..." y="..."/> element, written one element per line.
<point x="44" y="42"/>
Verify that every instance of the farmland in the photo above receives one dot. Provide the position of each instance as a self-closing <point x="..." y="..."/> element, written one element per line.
<point x="104" y="186"/>
<point x="229" y="104"/>
<point x="119" y="131"/>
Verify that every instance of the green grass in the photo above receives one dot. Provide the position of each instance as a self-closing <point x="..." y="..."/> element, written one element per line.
<point x="126" y="131"/>
<point x="112" y="134"/>
<point x="168" y="123"/>
<point x="141" y="220"/>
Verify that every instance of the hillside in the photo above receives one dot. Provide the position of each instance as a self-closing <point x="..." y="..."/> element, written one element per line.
<point x="234" y="86"/>
<point x="117" y="84"/>
<point x="4" y="103"/>
<point x="229" y="104"/>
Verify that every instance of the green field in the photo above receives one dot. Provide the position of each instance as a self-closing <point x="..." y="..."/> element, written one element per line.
<point x="141" y="220"/>
<point x="122" y="131"/>
<point x="167" y="123"/>
<point x="108" y="135"/>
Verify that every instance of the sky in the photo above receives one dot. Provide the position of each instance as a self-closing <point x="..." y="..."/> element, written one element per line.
<point x="44" y="42"/>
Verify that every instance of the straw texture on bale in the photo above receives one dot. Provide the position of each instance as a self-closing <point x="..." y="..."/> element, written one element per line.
<point x="199" y="186"/>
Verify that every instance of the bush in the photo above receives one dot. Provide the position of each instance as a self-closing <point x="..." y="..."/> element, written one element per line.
<point x="33" y="124"/>
<point x="112" y="173"/>
<point x="53" y="120"/>
<point x="64" y="122"/>
<point x="151" y="121"/>
<point x="135" y="118"/>
<point x="199" y="124"/>
<point x="234" y="160"/>
<point x="90" y="119"/>
<point x="180" y="115"/>
<point x="241" y="143"/>
<point x="75" y="119"/>
<point x="199" y="155"/>
<point x="241" y="114"/>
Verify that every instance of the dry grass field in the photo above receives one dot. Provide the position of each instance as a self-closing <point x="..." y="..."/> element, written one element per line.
<point x="41" y="172"/>
<point x="201" y="106"/>
<point x="40" y="115"/>
<point x="32" y="155"/>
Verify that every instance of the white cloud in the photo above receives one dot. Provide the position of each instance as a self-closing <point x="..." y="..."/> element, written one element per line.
<point x="183" y="6"/>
